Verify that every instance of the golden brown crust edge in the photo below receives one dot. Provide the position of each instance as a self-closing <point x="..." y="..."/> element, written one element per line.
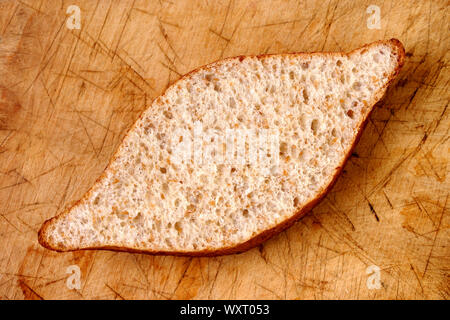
<point x="263" y="236"/>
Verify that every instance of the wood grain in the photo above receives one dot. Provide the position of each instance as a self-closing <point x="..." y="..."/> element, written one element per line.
<point x="68" y="96"/>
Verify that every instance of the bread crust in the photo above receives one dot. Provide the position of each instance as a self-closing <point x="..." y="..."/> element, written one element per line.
<point x="266" y="234"/>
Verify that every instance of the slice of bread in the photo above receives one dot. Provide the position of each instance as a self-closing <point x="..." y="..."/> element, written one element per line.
<point x="231" y="154"/>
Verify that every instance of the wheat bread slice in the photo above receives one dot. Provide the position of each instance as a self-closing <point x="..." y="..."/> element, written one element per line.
<point x="311" y="107"/>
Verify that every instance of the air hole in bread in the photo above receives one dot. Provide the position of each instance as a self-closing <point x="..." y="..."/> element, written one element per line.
<point x="190" y="208"/>
<point x="168" y="114"/>
<point x="149" y="127"/>
<point x="334" y="132"/>
<point x="314" y="126"/>
<point x="283" y="148"/>
<point x="350" y="114"/>
<point x="144" y="146"/>
<point x="357" y="85"/>
<point x="291" y="75"/>
<point x="305" y="96"/>
<point x="178" y="227"/>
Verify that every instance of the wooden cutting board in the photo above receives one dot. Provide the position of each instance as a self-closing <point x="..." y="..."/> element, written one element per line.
<point x="68" y="95"/>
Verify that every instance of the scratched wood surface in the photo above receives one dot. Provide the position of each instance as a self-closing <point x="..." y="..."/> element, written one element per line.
<point x="68" y="96"/>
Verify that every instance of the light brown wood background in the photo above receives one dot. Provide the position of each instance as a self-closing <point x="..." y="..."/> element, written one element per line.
<point x="68" y="96"/>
